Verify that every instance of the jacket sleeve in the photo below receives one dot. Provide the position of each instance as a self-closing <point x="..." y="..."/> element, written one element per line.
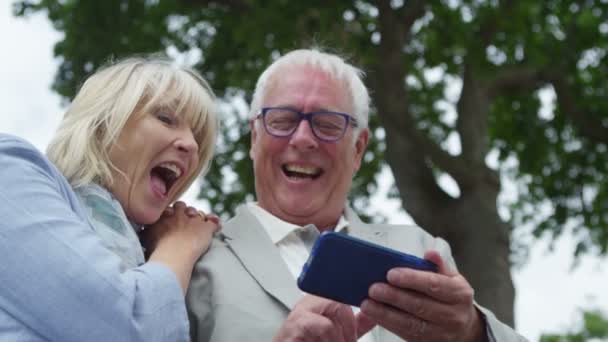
<point x="56" y="277"/>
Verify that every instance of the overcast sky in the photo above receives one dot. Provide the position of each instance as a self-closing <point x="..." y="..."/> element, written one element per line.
<point x="549" y="295"/>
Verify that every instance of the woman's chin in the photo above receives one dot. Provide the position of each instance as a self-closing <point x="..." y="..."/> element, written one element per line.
<point x="146" y="218"/>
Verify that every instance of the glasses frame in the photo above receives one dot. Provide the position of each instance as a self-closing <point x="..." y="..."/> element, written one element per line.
<point x="350" y="121"/>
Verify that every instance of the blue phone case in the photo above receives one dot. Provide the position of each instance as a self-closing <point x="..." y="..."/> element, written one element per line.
<point x="342" y="268"/>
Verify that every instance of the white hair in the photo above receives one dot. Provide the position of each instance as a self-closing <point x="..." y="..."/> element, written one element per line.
<point x="108" y="98"/>
<point x="331" y="64"/>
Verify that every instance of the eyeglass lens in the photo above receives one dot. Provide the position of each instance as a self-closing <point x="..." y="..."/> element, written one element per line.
<point x="283" y="122"/>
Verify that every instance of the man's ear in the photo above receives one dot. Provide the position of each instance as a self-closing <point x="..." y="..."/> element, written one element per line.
<point x="254" y="136"/>
<point x="360" y="146"/>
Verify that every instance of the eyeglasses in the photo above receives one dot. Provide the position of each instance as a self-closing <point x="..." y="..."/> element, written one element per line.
<point x="326" y="126"/>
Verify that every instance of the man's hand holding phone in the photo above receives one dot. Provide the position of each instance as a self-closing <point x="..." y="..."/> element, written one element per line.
<point x="319" y="319"/>
<point x="426" y="306"/>
<point x="417" y="299"/>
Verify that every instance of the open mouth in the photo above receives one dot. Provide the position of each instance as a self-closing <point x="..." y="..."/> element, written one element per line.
<point x="164" y="176"/>
<point x="301" y="172"/>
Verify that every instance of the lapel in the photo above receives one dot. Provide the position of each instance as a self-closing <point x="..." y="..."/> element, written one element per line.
<point x="252" y="246"/>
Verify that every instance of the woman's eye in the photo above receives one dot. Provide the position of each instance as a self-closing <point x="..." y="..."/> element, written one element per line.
<point x="165" y="118"/>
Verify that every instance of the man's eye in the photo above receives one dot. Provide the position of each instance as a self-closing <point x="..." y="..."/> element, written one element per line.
<point x="281" y="123"/>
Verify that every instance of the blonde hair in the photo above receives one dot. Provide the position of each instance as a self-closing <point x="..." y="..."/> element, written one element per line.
<point x="134" y="86"/>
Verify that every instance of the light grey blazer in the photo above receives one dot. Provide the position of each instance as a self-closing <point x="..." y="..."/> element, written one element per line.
<point x="241" y="290"/>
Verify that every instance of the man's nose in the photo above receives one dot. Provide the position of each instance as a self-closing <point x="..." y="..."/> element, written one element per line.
<point x="303" y="137"/>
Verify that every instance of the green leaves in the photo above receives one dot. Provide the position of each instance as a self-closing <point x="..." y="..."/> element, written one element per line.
<point x="595" y="326"/>
<point x="562" y="161"/>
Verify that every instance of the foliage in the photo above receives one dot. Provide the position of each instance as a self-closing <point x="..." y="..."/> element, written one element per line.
<point x="594" y="328"/>
<point x="514" y="49"/>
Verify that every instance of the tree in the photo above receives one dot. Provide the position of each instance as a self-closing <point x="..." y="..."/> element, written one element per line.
<point x="594" y="327"/>
<point x="468" y="71"/>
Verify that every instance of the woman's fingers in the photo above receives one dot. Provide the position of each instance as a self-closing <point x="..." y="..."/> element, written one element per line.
<point x="193" y="212"/>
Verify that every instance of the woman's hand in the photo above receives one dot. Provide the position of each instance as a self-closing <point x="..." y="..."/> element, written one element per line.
<point x="179" y="238"/>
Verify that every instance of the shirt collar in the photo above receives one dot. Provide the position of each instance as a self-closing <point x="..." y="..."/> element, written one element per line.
<point x="278" y="229"/>
<point x="342" y="225"/>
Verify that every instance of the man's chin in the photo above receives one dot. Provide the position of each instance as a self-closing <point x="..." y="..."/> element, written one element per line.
<point x="300" y="208"/>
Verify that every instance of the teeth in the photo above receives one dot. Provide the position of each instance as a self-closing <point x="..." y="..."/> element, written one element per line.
<point x="302" y="169"/>
<point x="172" y="167"/>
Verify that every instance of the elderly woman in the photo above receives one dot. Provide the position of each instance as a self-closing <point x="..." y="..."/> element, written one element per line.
<point x="135" y="137"/>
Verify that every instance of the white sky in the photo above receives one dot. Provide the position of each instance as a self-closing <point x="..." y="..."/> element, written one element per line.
<point x="549" y="295"/>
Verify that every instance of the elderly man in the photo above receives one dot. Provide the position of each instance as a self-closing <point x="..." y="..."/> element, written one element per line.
<point x="308" y="135"/>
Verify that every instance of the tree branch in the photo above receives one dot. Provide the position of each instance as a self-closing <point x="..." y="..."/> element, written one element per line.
<point x="473" y="106"/>
<point x="412" y="11"/>
<point x="588" y="124"/>
<point x="523" y="79"/>
<point x="472" y="122"/>
<point x="239" y="6"/>
<point x="514" y="79"/>
<point x="413" y="175"/>
<point x="488" y="29"/>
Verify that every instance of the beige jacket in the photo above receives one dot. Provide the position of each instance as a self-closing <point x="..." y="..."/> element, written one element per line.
<point x="241" y="290"/>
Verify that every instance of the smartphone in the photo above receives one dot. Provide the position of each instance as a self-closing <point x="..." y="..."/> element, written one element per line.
<point x="342" y="268"/>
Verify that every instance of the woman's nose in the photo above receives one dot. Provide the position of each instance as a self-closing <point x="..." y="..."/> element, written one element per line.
<point x="186" y="142"/>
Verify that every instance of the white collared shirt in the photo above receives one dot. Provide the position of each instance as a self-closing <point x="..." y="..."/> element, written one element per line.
<point x="291" y="247"/>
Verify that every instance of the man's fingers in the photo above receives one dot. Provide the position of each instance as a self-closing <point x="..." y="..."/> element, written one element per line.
<point x="412" y="302"/>
<point x="364" y="324"/>
<point x="447" y="289"/>
<point x="304" y="325"/>
<point x="436" y="258"/>
<point x="340" y="315"/>
<point x="399" y="322"/>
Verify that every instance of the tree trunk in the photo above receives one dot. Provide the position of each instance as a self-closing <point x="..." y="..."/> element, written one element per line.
<point x="479" y="239"/>
<point x="470" y="223"/>
<point x="480" y="243"/>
